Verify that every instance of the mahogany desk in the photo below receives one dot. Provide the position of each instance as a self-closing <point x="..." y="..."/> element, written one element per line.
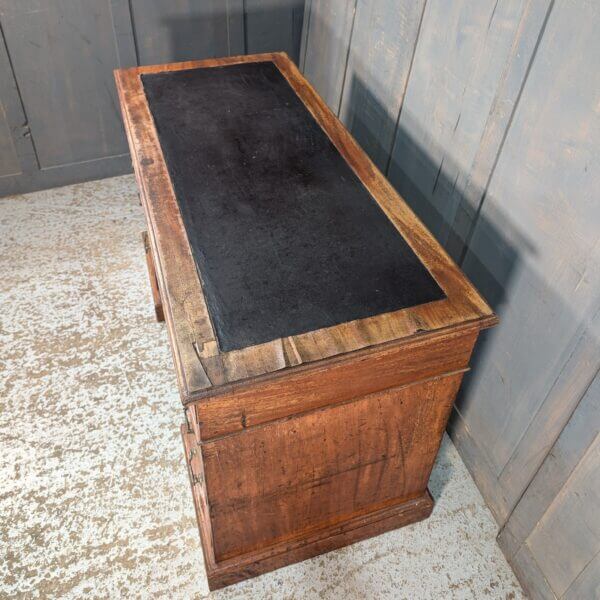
<point x="318" y="330"/>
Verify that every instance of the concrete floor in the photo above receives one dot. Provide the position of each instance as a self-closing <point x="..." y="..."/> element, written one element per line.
<point x="95" y="499"/>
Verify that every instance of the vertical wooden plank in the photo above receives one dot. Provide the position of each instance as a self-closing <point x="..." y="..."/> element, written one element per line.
<point x="123" y="30"/>
<point x="274" y="26"/>
<point x="236" y="36"/>
<point x="587" y="584"/>
<point x="63" y="54"/>
<point x="573" y="519"/>
<point x="569" y="388"/>
<point x="174" y="30"/>
<point x="383" y="42"/>
<point x="460" y="57"/>
<point x="469" y="192"/>
<point x="9" y="162"/>
<point x="531" y="576"/>
<point x="552" y="537"/>
<point x="304" y="38"/>
<point x="535" y="251"/>
<point x="16" y="148"/>
<point x="329" y="32"/>
<point x="562" y="460"/>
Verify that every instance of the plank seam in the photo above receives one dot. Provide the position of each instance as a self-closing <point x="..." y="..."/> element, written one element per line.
<point x="133" y="32"/>
<point x="580" y="575"/>
<point x="307" y="17"/>
<point x="408" y="76"/>
<point x="568" y="419"/>
<point x="38" y="164"/>
<point x="473" y="226"/>
<point x="390" y="390"/>
<point x="343" y="86"/>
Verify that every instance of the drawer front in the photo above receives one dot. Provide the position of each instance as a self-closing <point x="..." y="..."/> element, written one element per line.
<point x="290" y="477"/>
<point x="297" y="391"/>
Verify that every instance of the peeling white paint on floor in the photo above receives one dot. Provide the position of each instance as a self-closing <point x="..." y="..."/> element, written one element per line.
<point x="95" y="499"/>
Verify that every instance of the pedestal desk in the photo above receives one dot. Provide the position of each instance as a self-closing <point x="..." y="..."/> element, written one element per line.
<point x="318" y="330"/>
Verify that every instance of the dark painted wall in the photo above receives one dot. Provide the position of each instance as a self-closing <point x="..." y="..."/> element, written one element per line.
<point x="59" y="116"/>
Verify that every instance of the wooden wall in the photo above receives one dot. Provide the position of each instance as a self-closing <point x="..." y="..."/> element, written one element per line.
<point x="485" y="115"/>
<point x="59" y="116"/>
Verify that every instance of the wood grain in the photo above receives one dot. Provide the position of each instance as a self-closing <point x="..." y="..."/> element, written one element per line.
<point x="328" y="32"/>
<point x="240" y="407"/>
<point x="324" y="465"/>
<point x="536" y="249"/>
<point x="561" y="503"/>
<point x="310" y="442"/>
<point x="460" y="56"/>
<point x="332" y="536"/>
<point x="379" y="62"/>
<point x="200" y="364"/>
<point x="502" y="171"/>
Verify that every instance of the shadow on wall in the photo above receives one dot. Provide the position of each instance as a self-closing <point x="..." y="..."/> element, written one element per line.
<point x="260" y="27"/>
<point x="203" y="35"/>
<point x="492" y="280"/>
<point x="273" y="26"/>
<point x="511" y="374"/>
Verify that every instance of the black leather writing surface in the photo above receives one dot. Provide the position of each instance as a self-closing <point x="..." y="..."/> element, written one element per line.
<point x="285" y="237"/>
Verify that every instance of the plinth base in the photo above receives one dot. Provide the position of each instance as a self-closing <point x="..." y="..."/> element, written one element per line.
<point x="302" y="546"/>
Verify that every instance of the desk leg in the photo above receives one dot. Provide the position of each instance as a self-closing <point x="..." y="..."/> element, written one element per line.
<point x="158" y="307"/>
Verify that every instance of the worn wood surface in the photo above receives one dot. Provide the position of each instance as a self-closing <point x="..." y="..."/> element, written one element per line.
<point x="11" y="112"/>
<point x="448" y="101"/>
<point x="379" y="62"/>
<point x="572" y="518"/>
<point x="561" y="503"/>
<point x="200" y="363"/>
<point x="587" y="583"/>
<point x="335" y="382"/>
<point x="331" y="536"/>
<point x="261" y="189"/>
<point x="329" y="29"/>
<point x="9" y="161"/>
<point x="184" y="29"/>
<point x="158" y="307"/>
<point x="320" y="477"/>
<point x="332" y="464"/>
<point x="467" y="199"/>
<point x="537" y="370"/>
<point x="543" y="254"/>
<point x="59" y="120"/>
<point x="316" y="440"/>
<point x="317" y="481"/>
<point x="567" y="392"/>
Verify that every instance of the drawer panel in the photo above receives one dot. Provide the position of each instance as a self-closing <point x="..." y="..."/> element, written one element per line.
<point x="273" y="481"/>
<point x="297" y="391"/>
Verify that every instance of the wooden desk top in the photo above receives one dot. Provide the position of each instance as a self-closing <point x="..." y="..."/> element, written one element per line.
<point x="286" y="238"/>
<point x="278" y="243"/>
